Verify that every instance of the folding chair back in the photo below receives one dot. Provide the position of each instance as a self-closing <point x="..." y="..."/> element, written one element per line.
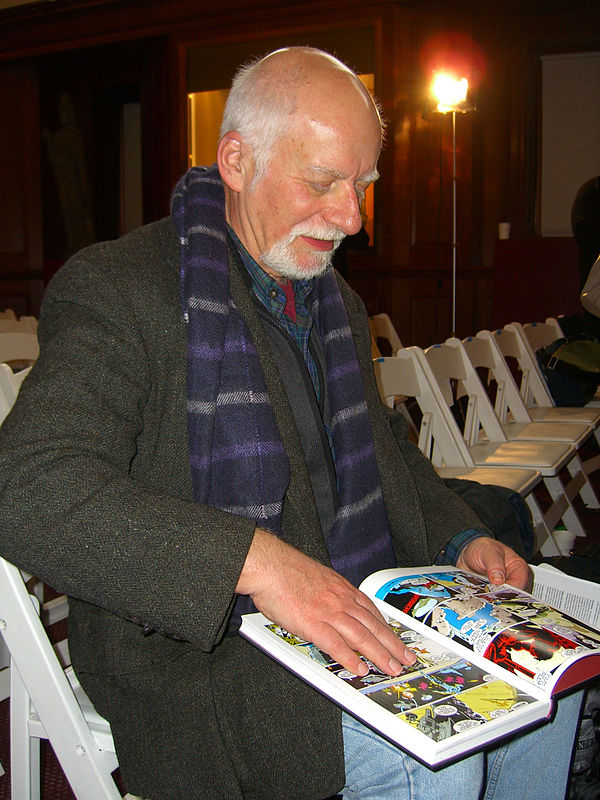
<point x="382" y="328"/>
<point x="457" y="378"/>
<point x="47" y="702"/>
<point x="438" y="435"/>
<point x="541" y="334"/>
<point x="22" y="325"/>
<point x="18" y="346"/>
<point x="483" y="353"/>
<point x="513" y="345"/>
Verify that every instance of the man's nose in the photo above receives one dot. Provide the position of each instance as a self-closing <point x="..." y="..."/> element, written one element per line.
<point x="344" y="211"/>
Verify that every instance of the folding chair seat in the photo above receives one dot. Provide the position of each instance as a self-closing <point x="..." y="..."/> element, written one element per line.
<point x="47" y="702"/>
<point x="489" y="445"/>
<point x="440" y="439"/>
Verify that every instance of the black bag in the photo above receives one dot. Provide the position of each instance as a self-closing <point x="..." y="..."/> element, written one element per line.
<point x="571" y="368"/>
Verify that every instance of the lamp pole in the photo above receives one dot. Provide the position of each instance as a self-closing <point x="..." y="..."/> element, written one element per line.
<point x="451" y="96"/>
<point x="454" y="243"/>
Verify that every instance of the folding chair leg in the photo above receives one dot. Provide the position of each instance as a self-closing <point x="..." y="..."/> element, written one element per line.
<point x="544" y="538"/>
<point x="581" y="484"/>
<point x="24" y="750"/>
<point x="570" y="517"/>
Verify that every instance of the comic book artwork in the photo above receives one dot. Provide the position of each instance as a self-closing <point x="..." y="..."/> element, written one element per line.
<point x="490" y="660"/>
<point x="505" y="626"/>
<point x="440" y="695"/>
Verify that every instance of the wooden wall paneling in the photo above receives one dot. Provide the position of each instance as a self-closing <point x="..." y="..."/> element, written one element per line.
<point x="21" y="278"/>
<point x="163" y="122"/>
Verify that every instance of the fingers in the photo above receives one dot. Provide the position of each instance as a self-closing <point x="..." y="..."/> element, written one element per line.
<point x="518" y="574"/>
<point x="496" y="561"/>
<point x="364" y="631"/>
<point x="319" y="605"/>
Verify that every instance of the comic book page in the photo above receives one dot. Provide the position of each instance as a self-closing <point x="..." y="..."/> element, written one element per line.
<point x="488" y="661"/>
<point x="441" y="708"/>
<point x="577" y="597"/>
<point x="506" y="626"/>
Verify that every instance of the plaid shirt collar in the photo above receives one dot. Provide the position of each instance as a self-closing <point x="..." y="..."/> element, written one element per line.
<point x="273" y="298"/>
<point x="268" y="291"/>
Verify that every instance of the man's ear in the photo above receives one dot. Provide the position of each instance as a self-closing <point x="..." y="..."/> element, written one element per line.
<point x="232" y="160"/>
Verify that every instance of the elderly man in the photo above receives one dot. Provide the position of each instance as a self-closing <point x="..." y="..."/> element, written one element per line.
<point x="202" y="436"/>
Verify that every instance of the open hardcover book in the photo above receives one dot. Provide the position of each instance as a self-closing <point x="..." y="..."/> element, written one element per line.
<point x="490" y="659"/>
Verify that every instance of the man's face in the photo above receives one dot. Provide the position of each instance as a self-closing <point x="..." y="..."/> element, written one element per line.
<point x="309" y="197"/>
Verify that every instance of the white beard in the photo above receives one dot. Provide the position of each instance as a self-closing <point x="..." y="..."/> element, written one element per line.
<point x="282" y="259"/>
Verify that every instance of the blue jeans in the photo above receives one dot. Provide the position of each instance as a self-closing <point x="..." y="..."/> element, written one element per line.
<point x="532" y="766"/>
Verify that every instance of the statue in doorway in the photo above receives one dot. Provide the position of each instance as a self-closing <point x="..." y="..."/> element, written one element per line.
<point x="66" y="153"/>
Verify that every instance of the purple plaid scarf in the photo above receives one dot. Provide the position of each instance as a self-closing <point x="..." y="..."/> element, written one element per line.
<point x="237" y="457"/>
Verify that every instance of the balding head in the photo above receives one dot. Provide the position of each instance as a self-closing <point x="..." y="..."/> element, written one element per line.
<point x="299" y="149"/>
<point x="267" y="93"/>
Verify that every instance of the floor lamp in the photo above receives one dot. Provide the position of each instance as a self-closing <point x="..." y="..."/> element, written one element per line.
<point x="450" y="94"/>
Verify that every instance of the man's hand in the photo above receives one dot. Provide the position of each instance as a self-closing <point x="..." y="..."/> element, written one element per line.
<point x="319" y="605"/>
<point x="497" y="561"/>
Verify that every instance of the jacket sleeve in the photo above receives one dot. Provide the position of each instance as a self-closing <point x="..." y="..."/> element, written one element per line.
<point x="95" y="493"/>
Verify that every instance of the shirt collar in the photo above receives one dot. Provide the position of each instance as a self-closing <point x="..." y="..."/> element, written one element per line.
<point x="266" y="288"/>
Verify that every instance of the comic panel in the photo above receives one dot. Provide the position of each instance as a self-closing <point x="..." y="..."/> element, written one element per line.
<point x="417" y="595"/>
<point x="455" y="714"/>
<point x="429" y="654"/>
<point x="527" y="608"/>
<point x="472" y="620"/>
<point x="532" y="651"/>
<point x="422" y="688"/>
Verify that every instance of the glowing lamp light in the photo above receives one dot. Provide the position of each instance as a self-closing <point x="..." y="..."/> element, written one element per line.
<point x="449" y="92"/>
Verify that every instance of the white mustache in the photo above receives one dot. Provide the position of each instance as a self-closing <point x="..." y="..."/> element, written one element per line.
<point x="325" y="234"/>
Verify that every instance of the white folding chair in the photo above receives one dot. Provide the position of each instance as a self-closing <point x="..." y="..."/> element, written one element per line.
<point x="517" y="423"/>
<point x="10" y="383"/>
<point x="513" y="343"/>
<point x="382" y="327"/>
<point x="56" y="608"/>
<point x="489" y="445"/>
<point x="540" y="334"/>
<point x="440" y="439"/>
<point x="47" y="702"/>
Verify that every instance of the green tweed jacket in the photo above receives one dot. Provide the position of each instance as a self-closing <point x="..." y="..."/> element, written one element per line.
<point x="96" y="499"/>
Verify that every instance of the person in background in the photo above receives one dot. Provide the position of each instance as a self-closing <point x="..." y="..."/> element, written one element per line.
<point x="585" y="224"/>
<point x="202" y="436"/>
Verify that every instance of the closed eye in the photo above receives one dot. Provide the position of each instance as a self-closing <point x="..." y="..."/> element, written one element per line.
<point x="320" y="188"/>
